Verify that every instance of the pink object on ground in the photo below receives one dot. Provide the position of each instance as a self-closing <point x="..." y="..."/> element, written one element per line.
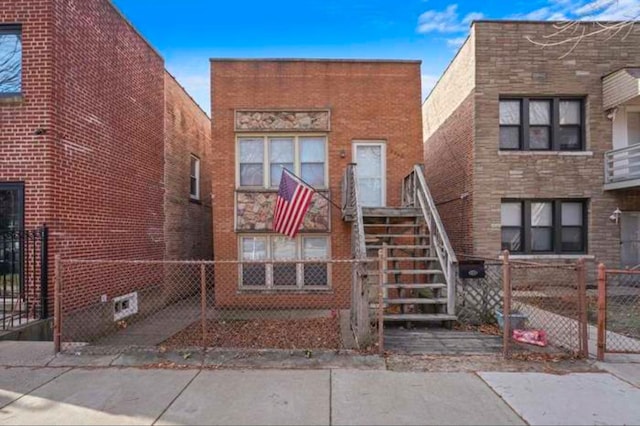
<point x="532" y="337"/>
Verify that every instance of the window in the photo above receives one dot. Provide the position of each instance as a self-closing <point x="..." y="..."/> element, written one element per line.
<point x="538" y="124"/>
<point x="284" y="275"/>
<point x="261" y="160"/>
<point x="10" y="60"/>
<point x="194" y="188"/>
<point x="544" y="226"/>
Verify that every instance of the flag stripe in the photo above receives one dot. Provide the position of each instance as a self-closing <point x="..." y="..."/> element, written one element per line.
<point x="291" y="206"/>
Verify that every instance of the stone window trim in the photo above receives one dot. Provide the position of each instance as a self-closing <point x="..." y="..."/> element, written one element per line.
<point x="266" y="160"/>
<point x="268" y="264"/>
<point x="282" y="120"/>
<point x="11" y="96"/>
<point x="554" y="127"/>
<point x="556" y="226"/>
<point x="194" y="177"/>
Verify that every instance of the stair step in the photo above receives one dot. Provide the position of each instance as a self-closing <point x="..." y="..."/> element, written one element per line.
<point x="414" y="285"/>
<point x="390" y="212"/>
<point x="418" y="301"/>
<point x="414" y="271"/>
<point x="402" y="259"/>
<point x="393" y="225"/>
<point x="397" y="235"/>
<point x="420" y="317"/>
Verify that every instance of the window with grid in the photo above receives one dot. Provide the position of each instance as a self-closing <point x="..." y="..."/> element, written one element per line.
<point x="544" y="226"/>
<point x="261" y="159"/>
<point x="10" y="60"/>
<point x="541" y="124"/>
<point x="293" y="275"/>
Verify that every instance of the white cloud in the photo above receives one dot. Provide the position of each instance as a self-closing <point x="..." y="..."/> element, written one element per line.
<point x="586" y="10"/>
<point x="456" y="42"/>
<point x="473" y="16"/>
<point x="445" y="21"/>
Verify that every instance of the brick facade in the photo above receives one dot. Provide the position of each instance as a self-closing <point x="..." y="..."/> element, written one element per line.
<point x="87" y="135"/>
<point x="506" y="63"/>
<point x="368" y="100"/>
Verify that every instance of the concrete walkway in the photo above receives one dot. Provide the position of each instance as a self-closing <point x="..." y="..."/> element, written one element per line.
<point x="39" y="388"/>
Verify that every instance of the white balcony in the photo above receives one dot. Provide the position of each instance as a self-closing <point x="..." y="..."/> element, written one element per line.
<point x="622" y="168"/>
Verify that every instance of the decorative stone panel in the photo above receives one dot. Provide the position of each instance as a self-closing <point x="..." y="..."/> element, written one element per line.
<point x="254" y="212"/>
<point x="273" y="121"/>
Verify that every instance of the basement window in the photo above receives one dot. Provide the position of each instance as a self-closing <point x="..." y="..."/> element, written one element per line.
<point x="124" y="306"/>
<point x="10" y="60"/>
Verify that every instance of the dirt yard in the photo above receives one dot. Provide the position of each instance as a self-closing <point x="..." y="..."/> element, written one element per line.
<point x="307" y="333"/>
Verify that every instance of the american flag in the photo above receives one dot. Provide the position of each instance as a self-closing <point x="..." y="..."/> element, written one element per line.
<point x="291" y="205"/>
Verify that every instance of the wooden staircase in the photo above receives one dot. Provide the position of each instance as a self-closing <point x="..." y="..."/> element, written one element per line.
<point x="413" y="284"/>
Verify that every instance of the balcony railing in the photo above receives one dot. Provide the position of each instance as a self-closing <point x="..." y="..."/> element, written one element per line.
<point x="622" y="168"/>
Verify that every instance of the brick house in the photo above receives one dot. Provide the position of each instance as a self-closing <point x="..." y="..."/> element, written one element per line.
<point x="517" y="138"/>
<point x="98" y="141"/>
<point x="315" y="117"/>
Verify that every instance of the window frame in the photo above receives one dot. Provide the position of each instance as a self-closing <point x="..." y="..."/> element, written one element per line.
<point x="268" y="262"/>
<point x="556" y="227"/>
<point x="14" y="29"/>
<point x="554" y="126"/>
<point x="266" y="158"/>
<point x="197" y="176"/>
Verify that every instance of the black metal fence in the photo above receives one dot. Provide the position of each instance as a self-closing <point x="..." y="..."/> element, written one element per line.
<point x="23" y="277"/>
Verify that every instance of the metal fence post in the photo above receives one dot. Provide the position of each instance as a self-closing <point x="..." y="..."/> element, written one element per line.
<point x="57" y="306"/>
<point x="602" y="310"/>
<point x="203" y="303"/>
<point x="382" y="256"/>
<point x="44" y="272"/>
<point x="582" y="308"/>
<point x="506" y="309"/>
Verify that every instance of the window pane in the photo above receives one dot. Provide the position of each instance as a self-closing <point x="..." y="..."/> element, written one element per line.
<point x="314" y="248"/>
<point x="570" y="112"/>
<point x="285" y="274"/>
<point x="510" y="112"/>
<point x="541" y="214"/>
<point x="315" y="274"/>
<point x="369" y="160"/>
<point x="541" y="239"/>
<point x="193" y="187"/>
<point x="276" y="172"/>
<point x="312" y="150"/>
<point x="251" y="150"/>
<point x="283" y="248"/>
<point x="254" y="275"/>
<point x="569" y="138"/>
<point x="194" y="166"/>
<point x="571" y="214"/>
<point x="251" y="174"/>
<point x="509" y="137"/>
<point x="512" y="239"/>
<point x="572" y="239"/>
<point x="10" y="62"/>
<point x="254" y="248"/>
<point x="539" y="138"/>
<point x="539" y="112"/>
<point x="511" y="214"/>
<point x="313" y="173"/>
<point x="281" y="150"/>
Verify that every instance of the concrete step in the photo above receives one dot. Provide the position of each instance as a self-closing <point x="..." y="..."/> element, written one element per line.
<point x="416" y="301"/>
<point x="419" y="317"/>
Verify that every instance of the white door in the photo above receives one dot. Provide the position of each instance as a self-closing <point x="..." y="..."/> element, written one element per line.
<point x="630" y="239"/>
<point x="633" y="138"/>
<point x="371" y="167"/>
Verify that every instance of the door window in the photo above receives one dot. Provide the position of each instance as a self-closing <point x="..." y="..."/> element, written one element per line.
<point x="371" y="174"/>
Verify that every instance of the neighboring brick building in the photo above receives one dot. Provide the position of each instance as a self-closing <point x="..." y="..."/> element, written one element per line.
<point x="314" y="116"/>
<point x="96" y="139"/>
<point x="515" y="143"/>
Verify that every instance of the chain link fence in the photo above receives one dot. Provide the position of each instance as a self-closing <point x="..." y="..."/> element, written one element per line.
<point x="618" y="311"/>
<point x="115" y="305"/>
<point x="544" y="307"/>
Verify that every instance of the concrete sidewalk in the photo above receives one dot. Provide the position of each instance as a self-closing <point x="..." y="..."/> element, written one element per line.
<point x="37" y="387"/>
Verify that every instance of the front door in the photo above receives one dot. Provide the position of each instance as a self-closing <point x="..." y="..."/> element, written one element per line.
<point x="630" y="239"/>
<point x="11" y="220"/>
<point x="371" y="167"/>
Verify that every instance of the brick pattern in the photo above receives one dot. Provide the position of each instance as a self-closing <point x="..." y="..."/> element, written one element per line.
<point x="187" y="227"/>
<point x="449" y="174"/>
<point x="368" y="100"/>
<point x="506" y="63"/>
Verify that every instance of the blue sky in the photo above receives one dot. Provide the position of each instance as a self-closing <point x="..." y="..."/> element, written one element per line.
<point x="189" y="32"/>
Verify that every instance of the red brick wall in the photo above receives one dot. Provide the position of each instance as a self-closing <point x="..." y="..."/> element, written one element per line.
<point x="449" y="174"/>
<point x="187" y="229"/>
<point x="368" y="100"/>
<point x="24" y="156"/>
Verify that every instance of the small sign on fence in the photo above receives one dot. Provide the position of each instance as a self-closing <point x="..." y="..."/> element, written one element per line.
<point x="471" y="269"/>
